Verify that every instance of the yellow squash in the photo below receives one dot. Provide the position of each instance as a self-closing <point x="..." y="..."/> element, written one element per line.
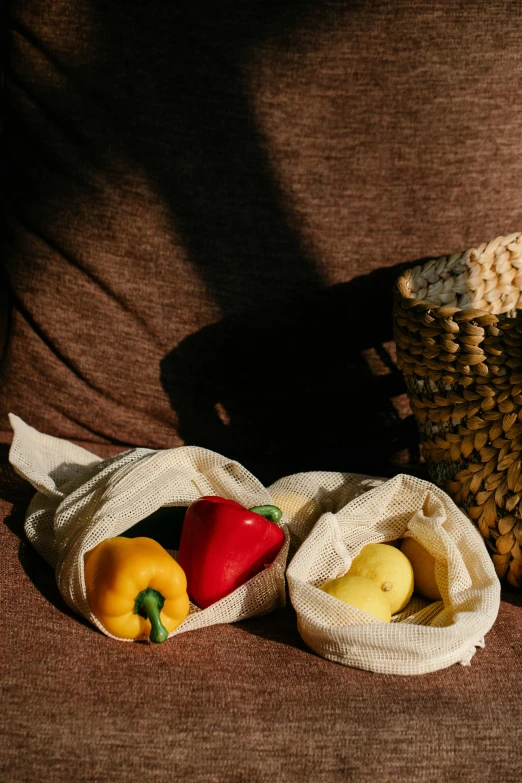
<point x="135" y="588"/>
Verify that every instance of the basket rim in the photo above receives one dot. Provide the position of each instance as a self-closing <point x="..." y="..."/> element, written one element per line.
<point x="407" y="301"/>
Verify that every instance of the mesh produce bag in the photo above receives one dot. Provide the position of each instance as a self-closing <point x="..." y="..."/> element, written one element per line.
<point x="82" y="500"/>
<point x="425" y="636"/>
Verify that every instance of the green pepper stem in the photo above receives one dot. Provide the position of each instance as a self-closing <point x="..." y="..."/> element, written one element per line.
<point x="149" y="604"/>
<point x="273" y="513"/>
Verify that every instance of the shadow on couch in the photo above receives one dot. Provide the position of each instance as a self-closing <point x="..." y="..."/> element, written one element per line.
<point x="297" y="375"/>
<point x="308" y="385"/>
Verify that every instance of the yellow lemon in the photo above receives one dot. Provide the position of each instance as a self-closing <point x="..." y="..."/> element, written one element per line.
<point x="391" y="571"/>
<point x="361" y="593"/>
<point x="423" y="565"/>
<point x="296" y="506"/>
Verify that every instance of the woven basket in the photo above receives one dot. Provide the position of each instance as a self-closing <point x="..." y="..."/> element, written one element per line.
<point x="459" y="345"/>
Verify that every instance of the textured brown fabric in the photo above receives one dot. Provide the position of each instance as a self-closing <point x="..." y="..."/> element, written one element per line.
<point x="207" y="204"/>
<point x="235" y="704"/>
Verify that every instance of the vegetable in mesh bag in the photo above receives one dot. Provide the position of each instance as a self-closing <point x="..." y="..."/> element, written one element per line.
<point x="82" y="501"/>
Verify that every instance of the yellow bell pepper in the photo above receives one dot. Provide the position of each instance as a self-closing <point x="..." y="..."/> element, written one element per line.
<point x="135" y="588"/>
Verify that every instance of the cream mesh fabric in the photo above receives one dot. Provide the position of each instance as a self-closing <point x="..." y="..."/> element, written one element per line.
<point x="425" y="636"/>
<point x="303" y="497"/>
<point x="82" y="500"/>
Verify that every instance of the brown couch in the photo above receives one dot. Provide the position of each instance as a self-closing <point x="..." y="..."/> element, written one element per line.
<point x="204" y="208"/>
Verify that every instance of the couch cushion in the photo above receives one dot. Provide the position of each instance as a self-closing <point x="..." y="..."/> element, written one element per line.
<point x="247" y="702"/>
<point x="196" y="200"/>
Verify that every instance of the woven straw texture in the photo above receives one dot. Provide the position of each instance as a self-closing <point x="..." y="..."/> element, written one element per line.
<point x="82" y="500"/>
<point x="459" y="345"/>
<point x="425" y="636"/>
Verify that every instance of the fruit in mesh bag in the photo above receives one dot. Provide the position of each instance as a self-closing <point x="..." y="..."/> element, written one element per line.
<point x="296" y="505"/>
<point x="360" y="592"/>
<point x="391" y="571"/>
<point x="423" y="565"/>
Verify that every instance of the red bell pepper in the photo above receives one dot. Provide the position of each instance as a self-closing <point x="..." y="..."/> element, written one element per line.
<point x="223" y="545"/>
